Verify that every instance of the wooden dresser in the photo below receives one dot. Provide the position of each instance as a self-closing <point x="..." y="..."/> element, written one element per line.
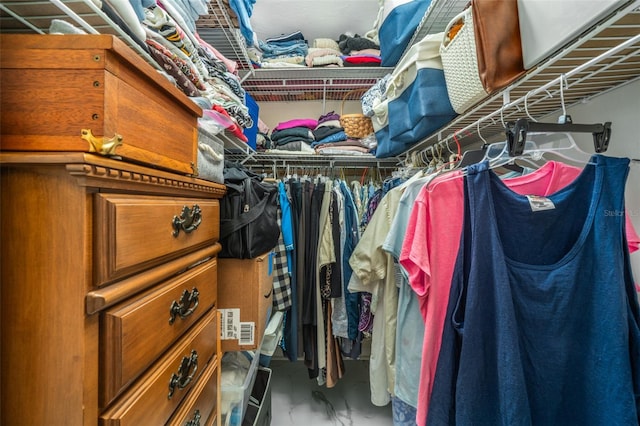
<point x="108" y="293"/>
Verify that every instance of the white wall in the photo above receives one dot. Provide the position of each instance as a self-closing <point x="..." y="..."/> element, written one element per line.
<point x="274" y="112"/>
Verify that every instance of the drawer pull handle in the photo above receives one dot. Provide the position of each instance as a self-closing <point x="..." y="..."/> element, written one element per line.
<point x="188" y="221"/>
<point x="186" y="306"/>
<point x="182" y="378"/>
<point x="195" y="421"/>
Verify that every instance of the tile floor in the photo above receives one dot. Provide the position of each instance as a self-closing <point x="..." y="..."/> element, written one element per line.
<point x="297" y="400"/>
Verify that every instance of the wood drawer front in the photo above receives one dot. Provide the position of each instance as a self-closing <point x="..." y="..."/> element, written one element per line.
<point x="134" y="334"/>
<point x="201" y="401"/>
<point x="135" y="232"/>
<point x="146" y="402"/>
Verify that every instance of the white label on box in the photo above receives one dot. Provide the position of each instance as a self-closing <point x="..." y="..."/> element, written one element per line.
<point x="230" y="324"/>
<point x="247" y="333"/>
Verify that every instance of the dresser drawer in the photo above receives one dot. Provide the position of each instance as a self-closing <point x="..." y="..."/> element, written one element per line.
<point x="201" y="403"/>
<point x="134" y="334"/>
<point x="135" y="232"/>
<point x="152" y="399"/>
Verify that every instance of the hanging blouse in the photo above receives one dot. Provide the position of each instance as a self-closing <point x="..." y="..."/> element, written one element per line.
<point x="543" y="321"/>
<point x="431" y="245"/>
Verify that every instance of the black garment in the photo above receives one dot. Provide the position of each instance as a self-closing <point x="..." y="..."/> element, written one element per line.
<point x="290" y="332"/>
<point x="324" y="131"/>
<point x="336" y="268"/>
<point x="309" y="305"/>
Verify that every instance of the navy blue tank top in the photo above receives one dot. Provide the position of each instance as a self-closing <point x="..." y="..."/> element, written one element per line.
<point x="542" y="323"/>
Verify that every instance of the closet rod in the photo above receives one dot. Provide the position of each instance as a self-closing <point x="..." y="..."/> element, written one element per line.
<point x="558" y="80"/>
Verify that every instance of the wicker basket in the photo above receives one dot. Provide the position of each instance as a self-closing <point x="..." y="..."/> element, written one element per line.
<point x="460" y="63"/>
<point x="356" y="126"/>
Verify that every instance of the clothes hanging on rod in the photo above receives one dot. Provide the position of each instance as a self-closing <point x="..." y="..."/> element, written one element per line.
<point x="323" y="319"/>
<point x="549" y="309"/>
<point x="422" y="302"/>
<point x="431" y="244"/>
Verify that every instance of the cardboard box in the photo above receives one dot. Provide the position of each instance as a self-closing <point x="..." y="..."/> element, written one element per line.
<point x="245" y="288"/>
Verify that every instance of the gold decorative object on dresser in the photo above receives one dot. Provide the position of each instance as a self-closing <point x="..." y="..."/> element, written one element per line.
<point x="109" y="312"/>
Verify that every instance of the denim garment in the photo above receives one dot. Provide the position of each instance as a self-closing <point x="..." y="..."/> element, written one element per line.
<point x="294" y="36"/>
<point x="352" y="300"/>
<point x="139" y="6"/>
<point x="542" y="325"/>
<point x="272" y="50"/>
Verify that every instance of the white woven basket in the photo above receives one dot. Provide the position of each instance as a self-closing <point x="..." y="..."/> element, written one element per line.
<point x="460" y="63"/>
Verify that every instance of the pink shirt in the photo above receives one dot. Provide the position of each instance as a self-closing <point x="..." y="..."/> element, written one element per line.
<point x="431" y="245"/>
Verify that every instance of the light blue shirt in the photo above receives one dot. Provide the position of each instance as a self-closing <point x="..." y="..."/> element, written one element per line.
<point x="410" y="334"/>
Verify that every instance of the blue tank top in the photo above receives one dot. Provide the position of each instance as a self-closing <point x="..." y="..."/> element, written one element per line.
<point x="542" y="322"/>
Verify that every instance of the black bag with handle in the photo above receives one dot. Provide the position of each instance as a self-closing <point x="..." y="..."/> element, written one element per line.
<point x="248" y="215"/>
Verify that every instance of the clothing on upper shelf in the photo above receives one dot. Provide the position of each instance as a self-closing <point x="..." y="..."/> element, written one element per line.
<point x="323" y="136"/>
<point x="293" y="50"/>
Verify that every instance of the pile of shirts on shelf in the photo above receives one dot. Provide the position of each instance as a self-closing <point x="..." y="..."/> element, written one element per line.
<point x="293" y="50"/>
<point x="166" y="30"/>
<point x="324" y="135"/>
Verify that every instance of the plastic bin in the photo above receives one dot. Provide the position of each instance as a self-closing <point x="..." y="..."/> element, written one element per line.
<point x="238" y="376"/>
<point x="210" y="156"/>
<point x="259" y="409"/>
<point x="272" y="336"/>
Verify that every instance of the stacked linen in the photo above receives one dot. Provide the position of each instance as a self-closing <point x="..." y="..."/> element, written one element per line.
<point x="328" y="130"/>
<point x="359" y="51"/>
<point x="345" y="147"/>
<point x="362" y="59"/>
<point x="331" y="138"/>
<point x="324" y="53"/>
<point x="322" y="136"/>
<point x="198" y="68"/>
<point x="292" y="50"/>
<point x="283" y="51"/>
<point x="293" y="136"/>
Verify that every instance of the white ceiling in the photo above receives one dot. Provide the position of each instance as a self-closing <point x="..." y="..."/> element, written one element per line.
<point x="315" y="19"/>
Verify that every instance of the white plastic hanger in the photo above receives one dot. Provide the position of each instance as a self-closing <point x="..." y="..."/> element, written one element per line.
<point x="542" y="145"/>
<point x="537" y="145"/>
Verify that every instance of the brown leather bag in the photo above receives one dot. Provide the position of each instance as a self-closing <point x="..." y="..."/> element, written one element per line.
<point x="498" y="45"/>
